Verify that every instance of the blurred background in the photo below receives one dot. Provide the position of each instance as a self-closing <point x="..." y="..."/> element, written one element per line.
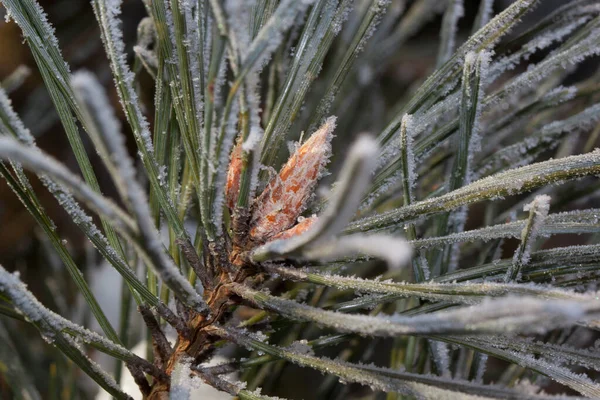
<point x="23" y="248"/>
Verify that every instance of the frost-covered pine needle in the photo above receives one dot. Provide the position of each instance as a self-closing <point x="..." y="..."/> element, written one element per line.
<point x="310" y="249"/>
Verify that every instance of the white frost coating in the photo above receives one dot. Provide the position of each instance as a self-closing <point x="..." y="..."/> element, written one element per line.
<point x="115" y="49"/>
<point x="491" y="187"/>
<point x="45" y="42"/>
<point x="78" y="215"/>
<point x="481" y="62"/>
<point x="504" y="315"/>
<point x="253" y="139"/>
<point x="394" y="250"/>
<point x="558" y="354"/>
<point x="63" y="196"/>
<point x="42" y="17"/>
<point x="305" y="68"/>
<point x="567" y="222"/>
<point x="565" y="59"/>
<point x="198" y="389"/>
<point x="219" y="87"/>
<point x="207" y="32"/>
<point x="301" y="347"/>
<point x="527" y="150"/>
<point x="484" y="39"/>
<point x="506" y="124"/>
<point x="579" y="382"/>
<point x="378" y="8"/>
<point x="426" y="117"/>
<point x="256" y="130"/>
<point x="541" y="205"/>
<point x="194" y="50"/>
<point x="350" y="187"/>
<point x="138" y="201"/>
<point x="238" y="15"/>
<point x="441" y="357"/>
<point x="560" y="94"/>
<point x="499" y="26"/>
<point x="258" y="393"/>
<point x="454" y="12"/>
<point x="483" y="358"/>
<point x="582" y="121"/>
<point x="305" y="54"/>
<point x="182" y="381"/>
<point x="407" y="131"/>
<point x="376" y="191"/>
<point x="540" y="42"/>
<point x="457" y="293"/>
<point x="107" y="379"/>
<point x="187" y="385"/>
<point x="16" y="78"/>
<point x="424" y="391"/>
<point x="469" y="141"/>
<point x="374" y="17"/>
<point x="220" y="177"/>
<point x="385" y="379"/>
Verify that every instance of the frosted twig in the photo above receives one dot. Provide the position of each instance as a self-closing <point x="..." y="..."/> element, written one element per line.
<point x="162" y="348"/>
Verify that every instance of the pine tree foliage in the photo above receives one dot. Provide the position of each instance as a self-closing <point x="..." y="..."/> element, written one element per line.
<point x="450" y="252"/>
